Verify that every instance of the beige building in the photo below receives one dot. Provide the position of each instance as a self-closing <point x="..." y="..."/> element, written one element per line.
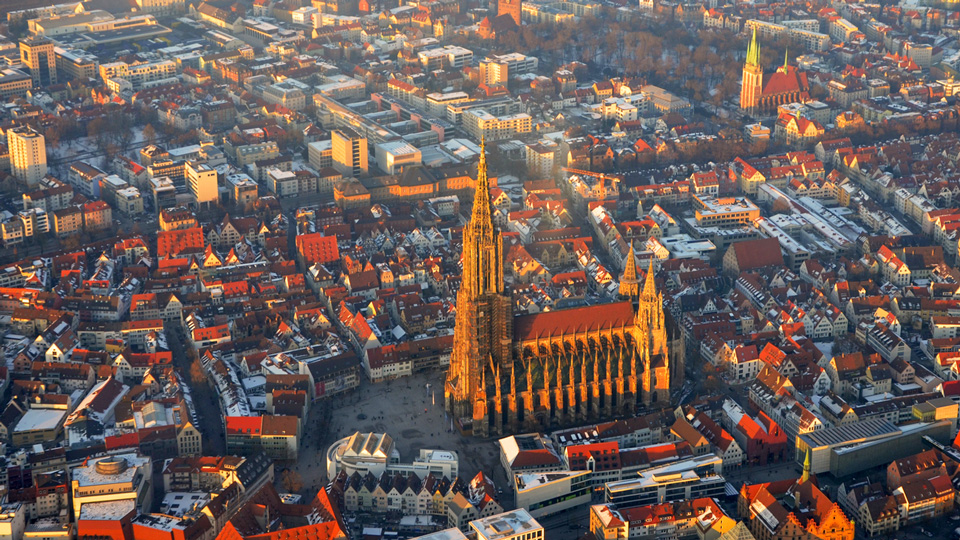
<point x="76" y="64"/>
<point x="483" y="125"/>
<point x="13" y="519"/>
<point x="320" y="154"/>
<point x="162" y="8"/>
<point x="285" y="94"/>
<point x="37" y="54"/>
<point x="129" y="201"/>
<point x="38" y="426"/>
<point x="513" y="525"/>
<point x="725" y="211"/>
<point x="14" y="82"/>
<point x="28" y="154"/>
<point x="123" y="477"/>
<point x="349" y="152"/>
<point x="202" y="181"/>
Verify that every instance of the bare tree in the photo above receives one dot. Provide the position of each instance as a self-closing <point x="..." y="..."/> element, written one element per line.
<point x="291" y="480"/>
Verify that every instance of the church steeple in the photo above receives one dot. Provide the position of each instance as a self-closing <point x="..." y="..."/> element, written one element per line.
<point x="481" y="215"/>
<point x="752" y="82"/>
<point x="629" y="282"/>
<point x="649" y="285"/>
<point x="753" y="51"/>
<point x="482" y="244"/>
<point x="806" y="468"/>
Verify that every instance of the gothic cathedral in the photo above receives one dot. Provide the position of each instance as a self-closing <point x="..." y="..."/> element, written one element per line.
<point x="530" y="372"/>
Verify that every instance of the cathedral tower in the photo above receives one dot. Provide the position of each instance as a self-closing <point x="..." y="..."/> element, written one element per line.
<point x="752" y="81"/>
<point x="651" y="334"/>
<point x="484" y="319"/>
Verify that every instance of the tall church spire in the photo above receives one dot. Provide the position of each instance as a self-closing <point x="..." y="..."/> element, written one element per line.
<point x="629" y="283"/>
<point x="806" y="468"/>
<point x="481" y="216"/>
<point x="482" y="249"/>
<point x="649" y="286"/>
<point x="786" y="58"/>
<point x="753" y="51"/>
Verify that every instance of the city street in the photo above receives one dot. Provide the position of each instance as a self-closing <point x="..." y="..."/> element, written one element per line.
<point x="204" y="399"/>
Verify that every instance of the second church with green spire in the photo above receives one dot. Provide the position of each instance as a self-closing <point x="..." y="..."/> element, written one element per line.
<point x="761" y="93"/>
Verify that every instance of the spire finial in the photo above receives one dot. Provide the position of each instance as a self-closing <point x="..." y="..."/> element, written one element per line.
<point x="629" y="284"/>
<point x="753" y="50"/>
<point x="649" y="287"/>
<point x="806" y="468"/>
<point x="630" y="265"/>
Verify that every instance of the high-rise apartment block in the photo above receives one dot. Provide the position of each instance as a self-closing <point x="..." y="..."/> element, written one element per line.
<point x="28" y="154"/>
<point x="349" y="152"/>
<point x="202" y="181"/>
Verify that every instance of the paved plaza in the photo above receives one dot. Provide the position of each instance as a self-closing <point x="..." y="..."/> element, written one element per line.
<point x="408" y="410"/>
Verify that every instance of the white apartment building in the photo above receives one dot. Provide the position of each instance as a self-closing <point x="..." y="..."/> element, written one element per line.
<point x="162" y="8"/>
<point x="138" y="75"/>
<point x="320" y="154"/>
<point x="28" y="155"/>
<point x="842" y="30"/>
<point x="283" y="183"/>
<point x="481" y="124"/>
<point x="437" y="102"/>
<point x="285" y="94"/>
<point x="392" y="157"/>
<point x="517" y="63"/>
<point x="304" y="15"/>
<point x="541" y="158"/>
<point x="497" y="69"/>
<point x="447" y="56"/>
<point x="624" y="109"/>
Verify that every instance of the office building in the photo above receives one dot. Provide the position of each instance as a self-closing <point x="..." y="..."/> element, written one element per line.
<point x="37" y="54"/>
<point x="14" y="82"/>
<point x="393" y="157"/>
<point x="28" y="155"/>
<point x="202" y="182"/>
<point x="513" y="525"/>
<point x="76" y="64"/>
<point x="689" y="479"/>
<point x="544" y="494"/>
<point x="108" y="480"/>
<point x="349" y="152"/>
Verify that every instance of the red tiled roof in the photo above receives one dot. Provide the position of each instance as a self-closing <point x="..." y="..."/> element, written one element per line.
<point x="569" y="321"/>
<point x="243" y="425"/>
<point x="752" y="254"/>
